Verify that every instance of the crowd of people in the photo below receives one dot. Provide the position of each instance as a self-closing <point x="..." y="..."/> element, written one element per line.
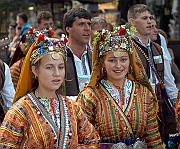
<point x="90" y="84"/>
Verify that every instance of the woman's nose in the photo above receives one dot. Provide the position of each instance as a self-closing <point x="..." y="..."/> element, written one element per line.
<point x="118" y="64"/>
<point x="56" y="72"/>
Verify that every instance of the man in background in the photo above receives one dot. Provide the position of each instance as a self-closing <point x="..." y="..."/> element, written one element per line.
<point x="77" y="26"/>
<point x="6" y="89"/>
<point x="97" y="24"/>
<point x="44" y="20"/>
<point x="22" y="22"/>
<point x="152" y="55"/>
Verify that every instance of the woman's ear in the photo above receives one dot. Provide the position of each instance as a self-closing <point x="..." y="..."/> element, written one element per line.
<point x="35" y="71"/>
<point x="102" y="62"/>
<point x="103" y="65"/>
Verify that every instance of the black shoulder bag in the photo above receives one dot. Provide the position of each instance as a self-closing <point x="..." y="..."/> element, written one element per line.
<point x="2" y="79"/>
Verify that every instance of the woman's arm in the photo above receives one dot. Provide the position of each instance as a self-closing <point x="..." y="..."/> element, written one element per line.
<point x="153" y="138"/>
<point x="88" y="137"/>
<point x="86" y="100"/>
<point x="12" y="128"/>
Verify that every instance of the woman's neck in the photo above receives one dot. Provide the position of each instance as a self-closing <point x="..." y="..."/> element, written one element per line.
<point x="45" y="94"/>
<point x="120" y="83"/>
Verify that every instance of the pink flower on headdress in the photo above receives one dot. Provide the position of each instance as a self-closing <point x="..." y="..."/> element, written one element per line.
<point x="31" y="30"/>
<point x="41" y="37"/>
<point x="51" y="32"/>
<point x="122" y="31"/>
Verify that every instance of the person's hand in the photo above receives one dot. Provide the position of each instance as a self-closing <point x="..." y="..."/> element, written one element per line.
<point x="16" y="38"/>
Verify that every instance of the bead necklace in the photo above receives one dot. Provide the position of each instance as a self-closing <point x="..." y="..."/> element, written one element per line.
<point x="121" y="94"/>
<point x="65" y="135"/>
<point x="67" y="127"/>
<point x="53" y="108"/>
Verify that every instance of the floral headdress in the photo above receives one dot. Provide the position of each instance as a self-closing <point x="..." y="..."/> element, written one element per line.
<point x="41" y="46"/>
<point x="46" y="45"/>
<point x="113" y="41"/>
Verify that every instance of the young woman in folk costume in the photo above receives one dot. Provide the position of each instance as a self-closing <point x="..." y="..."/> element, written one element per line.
<point x="119" y="100"/>
<point x="41" y="117"/>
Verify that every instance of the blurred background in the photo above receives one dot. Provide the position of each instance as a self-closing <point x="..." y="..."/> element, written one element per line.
<point x="166" y="12"/>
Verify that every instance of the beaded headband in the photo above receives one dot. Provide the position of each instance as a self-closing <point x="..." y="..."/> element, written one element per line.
<point x="46" y="45"/>
<point x="114" y="41"/>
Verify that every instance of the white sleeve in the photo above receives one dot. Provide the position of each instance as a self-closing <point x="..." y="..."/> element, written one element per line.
<point x="8" y="88"/>
<point x="164" y="45"/>
<point x="169" y="78"/>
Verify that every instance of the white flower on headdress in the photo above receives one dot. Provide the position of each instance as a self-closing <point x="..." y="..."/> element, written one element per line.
<point x="51" y="48"/>
<point x="123" y="26"/>
<point x="103" y="31"/>
<point x="128" y="31"/>
<point x="38" y="33"/>
<point x="46" y="38"/>
<point x="62" y="37"/>
<point x="117" y="28"/>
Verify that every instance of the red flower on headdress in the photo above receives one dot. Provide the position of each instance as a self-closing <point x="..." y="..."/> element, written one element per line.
<point x="41" y="37"/>
<point x="51" y="32"/>
<point x="31" y="30"/>
<point x="65" y="40"/>
<point x="122" y="31"/>
<point x="103" y="36"/>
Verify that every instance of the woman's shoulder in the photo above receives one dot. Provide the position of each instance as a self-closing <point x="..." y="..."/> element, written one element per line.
<point x="17" y="65"/>
<point x="89" y="92"/>
<point x="70" y="98"/>
<point x="23" y="100"/>
<point x="143" y="90"/>
<point x="140" y="86"/>
<point x="19" y="108"/>
<point x="70" y="103"/>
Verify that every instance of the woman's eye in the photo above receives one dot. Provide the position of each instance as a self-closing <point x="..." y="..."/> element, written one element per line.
<point x="61" y="67"/>
<point x="124" y="59"/>
<point x="48" y="67"/>
<point x="111" y="60"/>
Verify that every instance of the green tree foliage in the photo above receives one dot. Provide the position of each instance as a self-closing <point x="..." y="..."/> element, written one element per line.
<point x="13" y="6"/>
<point x="7" y="6"/>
